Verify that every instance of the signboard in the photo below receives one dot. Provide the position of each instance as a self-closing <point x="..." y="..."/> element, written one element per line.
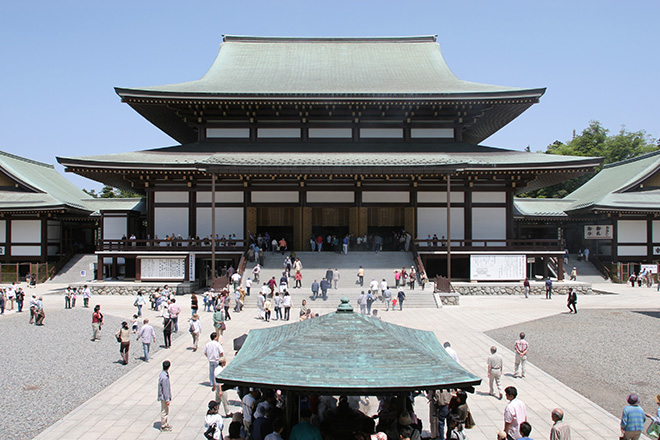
<point x="497" y="267"/>
<point x="191" y="267"/>
<point x="604" y="232"/>
<point x="651" y="268"/>
<point x="163" y="268"/>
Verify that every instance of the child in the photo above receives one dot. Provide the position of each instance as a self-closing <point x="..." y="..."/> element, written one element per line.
<point x="134" y="324"/>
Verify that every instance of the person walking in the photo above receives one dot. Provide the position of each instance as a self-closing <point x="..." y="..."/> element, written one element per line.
<point x="495" y="372"/>
<point x="526" y="288"/>
<point x="194" y="304"/>
<point x="164" y="396"/>
<point x="335" y="277"/>
<point x="33" y="308"/>
<point x="174" y="310"/>
<point x="167" y="332"/>
<point x="213" y="421"/>
<point x="387" y="297"/>
<point x="213" y="352"/>
<point x="124" y="338"/>
<point x="515" y="413"/>
<point x="97" y="322"/>
<point x="360" y="275"/>
<point x="573" y="275"/>
<point x="147" y="335"/>
<point x="362" y="302"/>
<point x="20" y="297"/>
<point x="571" y="301"/>
<point x="139" y="302"/>
<point x="67" y="298"/>
<point x="86" y="294"/>
<point x="41" y="313"/>
<point x="632" y="419"/>
<point x="325" y="285"/>
<point x="521" y="347"/>
<point x="286" y="302"/>
<point x="315" y="289"/>
<point x="548" y="288"/>
<point x="219" y="321"/>
<point x="277" y="305"/>
<point x="559" y="430"/>
<point x="401" y="296"/>
<point x="195" y="329"/>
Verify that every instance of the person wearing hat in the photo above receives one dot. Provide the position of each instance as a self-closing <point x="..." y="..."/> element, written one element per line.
<point x="213" y="420"/>
<point x="632" y="419"/>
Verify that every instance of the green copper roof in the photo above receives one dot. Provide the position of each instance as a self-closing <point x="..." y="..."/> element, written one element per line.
<point x="345" y="353"/>
<point x="541" y="207"/>
<point x="617" y="185"/>
<point x="259" y="66"/>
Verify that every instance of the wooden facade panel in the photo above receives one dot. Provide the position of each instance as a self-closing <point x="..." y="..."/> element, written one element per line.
<point x="330" y="216"/>
<point x="275" y="216"/>
<point x="251" y="219"/>
<point x="386" y="216"/>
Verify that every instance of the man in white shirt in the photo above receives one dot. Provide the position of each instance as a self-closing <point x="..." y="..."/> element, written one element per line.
<point x="450" y="351"/>
<point x="147" y="335"/>
<point x="514" y="414"/>
<point x="236" y="280"/>
<point x="213" y="352"/>
<point x="247" y="404"/>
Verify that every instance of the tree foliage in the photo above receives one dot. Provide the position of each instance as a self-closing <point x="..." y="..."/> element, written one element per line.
<point x="596" y="141"/>
<point x="109" y="192"/>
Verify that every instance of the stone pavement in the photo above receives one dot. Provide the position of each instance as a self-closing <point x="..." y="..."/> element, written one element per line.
<point x="128" y="409"/>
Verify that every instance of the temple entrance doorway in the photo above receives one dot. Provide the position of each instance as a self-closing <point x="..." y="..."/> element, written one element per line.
<point x="333" y="222"/>
<point x="278" y="223"/>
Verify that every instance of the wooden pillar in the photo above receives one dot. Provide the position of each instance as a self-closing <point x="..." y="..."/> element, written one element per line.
<point x="363" y="220"/>
<point x="192" y="213"/>
<point x="409" y="221"/>
<point x="251" y="219"/>
<point x="306" y="230"/>
<point x="545" y="267"/>
<point x="138" y="269"/>
<point x="354" y="221"/>
<point x="300" y="234"/>
<point x="560" y="268"/>
<point x="44" y="240"/>
<point x="115" y="269"/>
<point x="99" y="268"/>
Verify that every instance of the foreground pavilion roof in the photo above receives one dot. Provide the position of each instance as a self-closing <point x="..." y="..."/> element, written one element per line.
<point x="345" y="353"/>
<point x="251" y="74"/>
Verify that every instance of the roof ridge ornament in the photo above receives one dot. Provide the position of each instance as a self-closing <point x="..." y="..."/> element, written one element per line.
<point x="345" y="306"/>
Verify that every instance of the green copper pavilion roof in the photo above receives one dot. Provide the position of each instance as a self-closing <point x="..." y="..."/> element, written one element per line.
<point x="330" y="66"/>
<point x="345" y="353"/>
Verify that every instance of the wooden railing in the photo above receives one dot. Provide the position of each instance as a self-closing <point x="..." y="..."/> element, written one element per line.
<point x="604" y="270"/>
<point x="61" y="263"/>
<point x="491" y="244"/>
<point x="164" y="245"/>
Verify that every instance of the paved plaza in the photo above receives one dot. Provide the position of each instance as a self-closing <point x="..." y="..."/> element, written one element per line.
<point x="127" y="408"/>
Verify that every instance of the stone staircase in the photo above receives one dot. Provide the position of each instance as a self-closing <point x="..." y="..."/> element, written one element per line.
<point x="377" y="266"/>
<point x="71" y="272"/>
<point x="586" y="272"/>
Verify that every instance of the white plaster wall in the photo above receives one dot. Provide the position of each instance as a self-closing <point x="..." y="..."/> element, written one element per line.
<point x="434" y="221"/>
<point x="114" y="227"/>
<point x="385" y="197"/>
<point x="432" y="133"/>
<point x="330" y="197"/>
<point x="655" y="231"/>
<point x="169" y="221"/>
<point x="488" y="197"/>
<point x="631" y="231"/>
<point x="26" y="231"/>
<point x="488" y="223"/>
<point x="227" y="221"/>
<point x="26" y="251"/>
<point x="370" y="133"/>
<point x="220" y="197"/>
<point x="274" y="196"/>
<point x="171" y="197"/>
<point x="330" y="133"/>
<point x="3" y="231"/>
<point x="631" y="251"/>
<point x="227" y="132"/>
<point x="439" y="197"/>
<point x="278" y="133"/>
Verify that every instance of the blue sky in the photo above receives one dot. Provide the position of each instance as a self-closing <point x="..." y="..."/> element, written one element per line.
<point x="61" y="60"/>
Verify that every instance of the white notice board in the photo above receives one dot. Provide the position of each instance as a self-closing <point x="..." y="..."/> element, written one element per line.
<point x="163" y="268"/>
<point x="497" y="267"/>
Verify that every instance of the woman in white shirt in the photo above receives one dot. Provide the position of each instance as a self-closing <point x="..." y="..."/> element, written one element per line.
<point x="213" y="419"/>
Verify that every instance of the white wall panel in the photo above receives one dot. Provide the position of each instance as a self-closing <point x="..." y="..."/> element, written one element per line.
<point x="632" y="251"/>
<point x="114" y="227"/>
<point x="171" y="196"/>
<point x="446" y="133"/>
<point x="330" y="197"/>
<point x="372" y="133"/>
<point x="274" y="196"/>
<point x="3" y="231"/>
<point x="631" y="231"/>
<point x="439" y="197"/>
<point x="54" y="231"/>
<point x="220" y="197"/>
<point x="385" y="197"/>
<point x="26" y="251"/>
<point x="489" y="223"/>
<point x="488" y="197"/>
<point x="345" y="133"/>
<point x="227" y="132"/>
<point x="168" y="221"/>
<point x="655" y="231"/>
<point x="26" y="231"/>
<point x="227" y="221"/>
<point x="278" y="133"/>
<point x="434" y="221"/>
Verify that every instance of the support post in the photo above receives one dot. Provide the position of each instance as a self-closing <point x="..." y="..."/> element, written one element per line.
<point x="212" y="228"/>
<point x="449" y="227"/>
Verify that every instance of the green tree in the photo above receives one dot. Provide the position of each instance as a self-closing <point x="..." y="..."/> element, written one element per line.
<point x="109" y="192"/>
<point x="595" y="141"/>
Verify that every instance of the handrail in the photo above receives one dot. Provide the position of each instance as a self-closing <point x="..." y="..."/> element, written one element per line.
<point x="163" y="245"/>
<point x="494" y="244"/>
<point x="61" y="263"/>
<point x="419" y="265"/>
<point x="604" y="270"/>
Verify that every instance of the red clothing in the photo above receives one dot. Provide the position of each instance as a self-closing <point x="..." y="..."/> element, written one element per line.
<point x="97" y="317"/>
